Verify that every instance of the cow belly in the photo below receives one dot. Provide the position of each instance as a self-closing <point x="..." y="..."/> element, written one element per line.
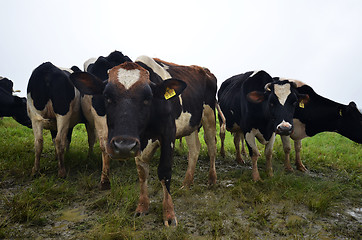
<point x="183" y="127"/>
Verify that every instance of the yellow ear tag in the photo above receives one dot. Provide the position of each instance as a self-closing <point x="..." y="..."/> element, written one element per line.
<point x="301" y="104"/>
<point x="340" y="112"/>
<point x="169" y="93"/>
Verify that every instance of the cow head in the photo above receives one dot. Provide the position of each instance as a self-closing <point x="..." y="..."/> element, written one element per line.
<point x="350" y="122"/>
<point x="280" y="99"/>
<point x="130" y="100"/>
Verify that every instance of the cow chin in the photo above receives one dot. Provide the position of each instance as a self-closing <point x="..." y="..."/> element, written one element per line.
<point x="123" y="148"/>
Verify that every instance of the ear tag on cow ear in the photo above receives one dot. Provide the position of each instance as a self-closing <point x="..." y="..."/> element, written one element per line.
<point x="169" y="93"/>
<point x="340" y="112"/>
<point x="301" y="104"/>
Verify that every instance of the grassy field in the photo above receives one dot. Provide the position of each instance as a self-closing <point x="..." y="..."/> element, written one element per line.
<point x="325" y="203"/>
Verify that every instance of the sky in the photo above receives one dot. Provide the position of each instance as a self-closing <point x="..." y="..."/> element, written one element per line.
<point x="318" y="42"/>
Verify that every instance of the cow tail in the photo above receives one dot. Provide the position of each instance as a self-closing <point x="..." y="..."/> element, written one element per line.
<point x="222" y="119"/>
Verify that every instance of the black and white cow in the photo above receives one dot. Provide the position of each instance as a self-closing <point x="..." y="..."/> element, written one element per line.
<point x="155" y="118"/>
<point x="93" y="108"/>
<point x="193" y="109"/>
<point x="52" y="103"/>
<point x="137" y="113"/>
<point x="320" y="114"/>
<point x="262" y="107"/>
<point x="12" y="106"/>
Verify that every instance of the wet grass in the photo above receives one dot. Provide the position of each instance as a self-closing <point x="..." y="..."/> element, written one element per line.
<point x="313" y="205"/>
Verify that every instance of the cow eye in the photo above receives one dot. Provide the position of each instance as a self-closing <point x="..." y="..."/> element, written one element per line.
<point x="146" y="102"/>
<point x="295" y="104"/>
<point x="271" y="104"/>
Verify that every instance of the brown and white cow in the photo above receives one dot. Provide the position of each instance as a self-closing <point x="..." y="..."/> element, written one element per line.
<point x="194" y="108"/>
<point x="138" y="110"/>
<point x="52" y="103"/>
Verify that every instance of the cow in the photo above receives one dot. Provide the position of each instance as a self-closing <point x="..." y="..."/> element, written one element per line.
<point x="138" y="112"/>
<point x="11" y="105"/>
<point x="193" y="109"/>
<point x="93" y="108"/>
<point x="184" y="113"/>
<point x="318" y="115"/>
<point x="262" y="107"/>
<point x="52" y="103"/>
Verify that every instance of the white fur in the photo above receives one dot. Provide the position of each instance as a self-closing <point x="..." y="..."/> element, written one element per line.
<point x="161" y="71"/>
<point x="128" y="77"/>
<point x="89" y="62"/>
<point x="282" y="92"/>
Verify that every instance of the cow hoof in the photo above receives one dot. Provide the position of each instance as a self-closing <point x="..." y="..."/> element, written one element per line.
<point x="171" y="222"/>
<point x="35" y="173"/>
<point x="104" y="185"/>
<point x="140" y="214"/>
<point x="62" y="173"/>
<point x="302" y="168"/>
<point x="240" y="161"/>
<point x="289" y="169"/>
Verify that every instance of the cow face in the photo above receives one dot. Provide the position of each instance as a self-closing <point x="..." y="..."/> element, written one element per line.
<point x="130" y="100"/>
<point x="279" y="101"/>
<point x="350" y="122"/>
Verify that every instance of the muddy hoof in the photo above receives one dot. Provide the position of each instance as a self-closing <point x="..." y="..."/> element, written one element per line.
<point x="302" y="168"/>
<point x="62" y="173"/>
<point x="171" y="222"/>
<point x="104" y="185"/>
<point x="240" y="161"/>
<point x="140" y="214"/>
<point x="35" y="174"/>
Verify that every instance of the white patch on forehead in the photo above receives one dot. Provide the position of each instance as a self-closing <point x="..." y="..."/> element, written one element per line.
<point x="128" y="77"/>
<point x="282" y="92"/>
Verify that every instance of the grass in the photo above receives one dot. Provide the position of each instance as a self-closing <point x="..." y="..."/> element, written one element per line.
<point x="295" y="205"/>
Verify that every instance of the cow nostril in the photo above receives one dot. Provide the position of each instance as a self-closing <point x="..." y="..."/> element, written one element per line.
<point x="126" y="147"/>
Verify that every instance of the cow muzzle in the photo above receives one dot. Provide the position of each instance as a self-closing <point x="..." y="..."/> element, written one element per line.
<point x="124" y="147"/>
<point x="284" y="128"/>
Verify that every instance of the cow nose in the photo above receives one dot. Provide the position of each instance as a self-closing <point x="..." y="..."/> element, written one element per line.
<point x="125" y="147"/>
<point x="284" y="128"/>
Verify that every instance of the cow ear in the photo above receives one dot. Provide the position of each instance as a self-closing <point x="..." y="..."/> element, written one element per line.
<point x="303" y="98"/>
<point x="169" y="88"/>
<point x="87" y="83"/>
<point x="255" y="97"/>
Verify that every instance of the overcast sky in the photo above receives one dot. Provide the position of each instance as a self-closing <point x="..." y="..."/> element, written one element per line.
<point x="316" y="41"/>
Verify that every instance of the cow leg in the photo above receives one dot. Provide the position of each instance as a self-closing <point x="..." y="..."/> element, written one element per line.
<point x="60" y="143"/>
<point x="222" y="139"/>
<point x="286" y="147"/>
<point x="193" y="144"/>
<point x="142" y="163"/>
<point x="237" y="138"/>
<point x="254" y="152"/>
<point x="298" y="161"/>
<point x="91" y="138"/>
<point x="209" y="125"/>
<point x="164" y="175"/>
<point x="100" y="124"/>
<point x="169" y="216"/>
<point x="268" y="156"/>
<point x="38" y="145"/>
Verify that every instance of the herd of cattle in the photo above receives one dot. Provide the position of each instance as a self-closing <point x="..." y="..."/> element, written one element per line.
<point x="135" y="107"/>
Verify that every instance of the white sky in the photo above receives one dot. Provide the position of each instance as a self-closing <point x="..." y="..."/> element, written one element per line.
<point x="315" y="41"/>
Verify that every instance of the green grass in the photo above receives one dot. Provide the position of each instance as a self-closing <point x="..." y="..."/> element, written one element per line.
<point x="287" y="206"/>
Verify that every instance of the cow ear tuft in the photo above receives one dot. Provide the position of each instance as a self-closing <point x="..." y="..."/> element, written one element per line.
<point x="255" y="97"/>
<point x="87" y="83"/>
